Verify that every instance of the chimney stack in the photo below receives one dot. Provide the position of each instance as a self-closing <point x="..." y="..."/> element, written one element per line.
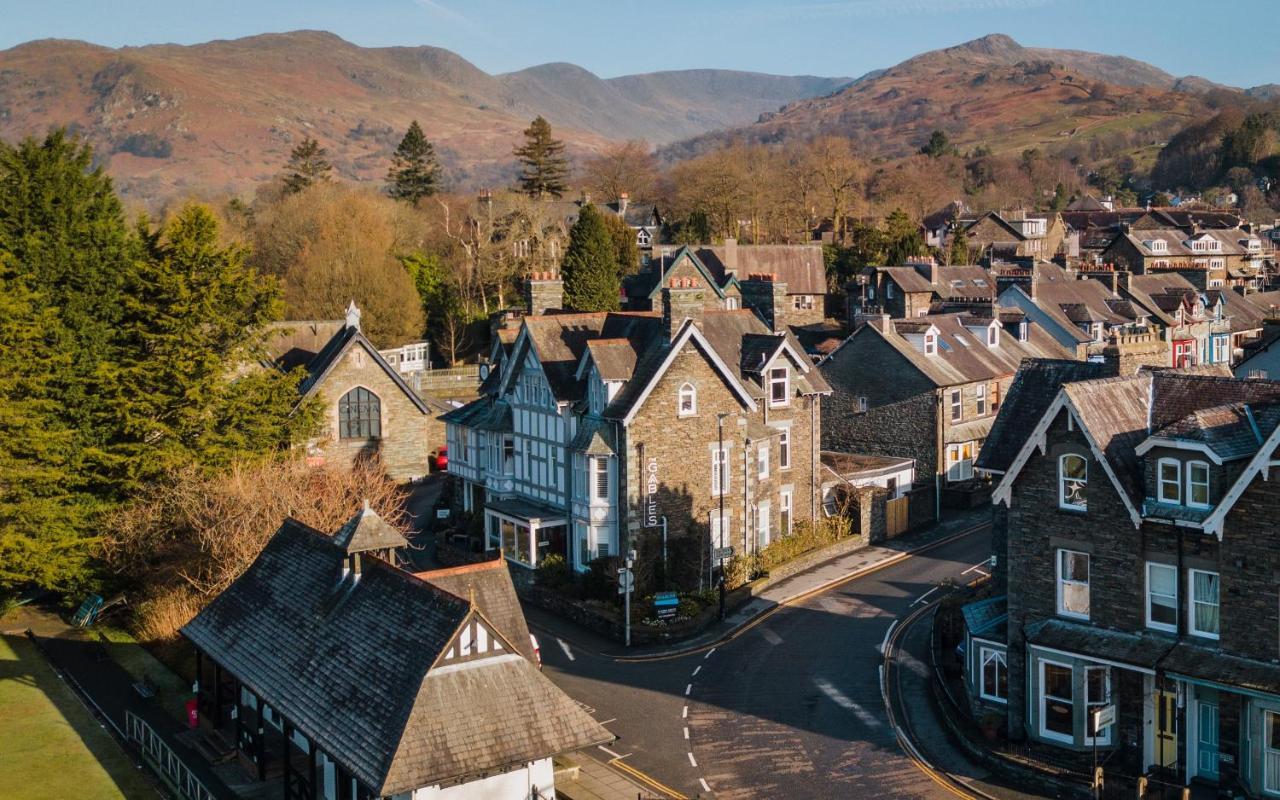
<point x="624" y="199"/>
<point x="543" y="292"/>
<point x="767" y="296"/>
<point x="683" y="299"/>
<point x="730" y="256"/>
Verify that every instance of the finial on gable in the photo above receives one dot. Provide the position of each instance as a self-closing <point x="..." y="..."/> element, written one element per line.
<point x="353" y="315"/>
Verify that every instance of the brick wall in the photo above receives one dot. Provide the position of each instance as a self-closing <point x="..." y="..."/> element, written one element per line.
<point x="405" y="442"/>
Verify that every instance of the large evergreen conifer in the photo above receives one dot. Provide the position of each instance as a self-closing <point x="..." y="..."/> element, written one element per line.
<point x="545" y="170"/>
<point x="590" y="268"/>
<point x="414" y="172"/>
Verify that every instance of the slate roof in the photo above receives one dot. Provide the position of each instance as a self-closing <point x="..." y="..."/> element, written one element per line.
<point x="560" y="339"/>
<point x="484" y="413"/>
<point x="986" y="617"/>
<point x="292" y="343"/>
<point x="615" y="359"/>
<point x="800" y="266"/>
<point x="1070" y="301"/>
<point x="962" y="356"/>
<point x="1231" y="431"/>
<point x="1241" y="310"/>
<point x="333" y="351"/>
<point x="367" y="531"/>
<point x="488" y="584"/>
<point x="1034" y="388"/>
<point x="349" y="663"/>
<point x="1160" y="294"/>
<point x="647" y="282"/>
<point x="962" y="282"/>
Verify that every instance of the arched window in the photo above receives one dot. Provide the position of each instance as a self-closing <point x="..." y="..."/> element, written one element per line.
<point x="1073" y="479"/>
<point x="359" y="415"/>
<point x="688" y="400"/>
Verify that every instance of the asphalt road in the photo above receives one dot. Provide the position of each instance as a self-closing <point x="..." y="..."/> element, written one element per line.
<point x="790" y="708"/>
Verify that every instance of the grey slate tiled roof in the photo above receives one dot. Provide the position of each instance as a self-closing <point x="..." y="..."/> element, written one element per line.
<point x="324" y="361"/>
<point x="348" y="662"/>
<point x="367" y="531"/>
<point x="1231" y="431"/>
<point x="987" y="617"/>
<point x="799" y="266"/>
<point x="489" y="585"/>
<point x="560" y="339"/>
<point x="1034" y="388"/>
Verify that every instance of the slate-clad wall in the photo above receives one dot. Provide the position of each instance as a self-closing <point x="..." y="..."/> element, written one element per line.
<point x="900" y="418"/>
<point x="404" y="445"/>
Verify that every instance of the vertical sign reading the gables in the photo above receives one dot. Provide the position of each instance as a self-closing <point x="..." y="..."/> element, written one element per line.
<point x="651" y="494"/>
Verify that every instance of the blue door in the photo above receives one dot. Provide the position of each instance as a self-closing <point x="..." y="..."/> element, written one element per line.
<point x="1207" y="766"/>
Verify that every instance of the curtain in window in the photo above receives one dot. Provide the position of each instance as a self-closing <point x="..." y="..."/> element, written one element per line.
<point x="1206" y="601"/>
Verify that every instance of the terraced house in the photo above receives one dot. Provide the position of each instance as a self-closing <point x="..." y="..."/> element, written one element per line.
<point x="604" y="432"/>
<point x="1210" y="258"/>
<point x="1142" y="566"/>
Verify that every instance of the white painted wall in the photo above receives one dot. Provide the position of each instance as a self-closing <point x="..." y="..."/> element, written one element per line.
<point x="518" y="784"/>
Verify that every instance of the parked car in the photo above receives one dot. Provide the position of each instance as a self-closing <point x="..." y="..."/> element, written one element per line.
<point x="440" y="459"/>
<point x="537" y="651"/>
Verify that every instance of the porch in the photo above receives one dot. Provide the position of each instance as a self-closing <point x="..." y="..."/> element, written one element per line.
<point x="526" y="532"/>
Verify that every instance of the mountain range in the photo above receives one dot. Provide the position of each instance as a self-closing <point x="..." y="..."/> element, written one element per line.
<point x="223" y="116"/>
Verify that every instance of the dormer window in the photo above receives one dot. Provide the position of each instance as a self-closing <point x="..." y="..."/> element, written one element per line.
<point x="888" y="290"/>
<point x="993" y="336"/>
<point x="930" y="344"/>
<point x="1024" y="331"/>
<point x="1097" y="331"/>
<point x="1169" y="481"/>
<point x="779" y="386"/>
<point x="642" y="238"/>
<point x="1198" y="484"/>
<point x="1157" y="245"/>
<point x="688" y="400"/>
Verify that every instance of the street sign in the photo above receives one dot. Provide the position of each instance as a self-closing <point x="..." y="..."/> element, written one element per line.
<point x="665" y="605"/>
<point x="1104" y="716"/>
<point x="626" y="579"/>
<point x="721" y="553"/>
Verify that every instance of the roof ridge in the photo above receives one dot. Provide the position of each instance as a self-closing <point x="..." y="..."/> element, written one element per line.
<point x="462" y="569"/>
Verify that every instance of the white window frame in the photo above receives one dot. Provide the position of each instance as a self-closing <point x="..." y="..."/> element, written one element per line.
<point x="1062" y="482"/>
<point x="785" y="512"/>
<point x="1068" y="738"/>
<point x="764" y="530"/>
<point x="930" y="344"/>
<point x="955" y="458"/>
<point x="784" y="449"/>
<point x="762" y="460"/>
<point x="1151" y="623"/>
<point x="689" y="391"/>
<point x="1089" y="705"/>
<point x="1270" y="756"/>
<point x="721" y="529"/>
<point x="957" y="405"/>
<point x="1061" y="583"/>
<point x="600" y="483"/>
<point x="1192" y="602"/>
<point x="993" y="336"/>
<point x="731" y="303"/>
<point x="775" y="381"/>
<point x="860" y="404"/>
<point x="1190" y="496"/>
<point x="980" y="399"/>
<point x="1176" y="483"/>
<point x="1221" y="346"/>
<point x="720" y="479"/>
<point x="986" y="654"/>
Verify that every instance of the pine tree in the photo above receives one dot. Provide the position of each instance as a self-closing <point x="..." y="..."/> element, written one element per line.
<point x="414" y="172"/>
<point x="590" y="268"/>
<point x="958" y="253"/>
<point x="545" y="169"/>
<point x="307" y="165"/>
<point x="902" y="238"/>
<point x="623" y="236"/>
<point x="194" y="314"/>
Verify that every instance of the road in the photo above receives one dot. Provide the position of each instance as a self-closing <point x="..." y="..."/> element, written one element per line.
<point x="790" y="708"/>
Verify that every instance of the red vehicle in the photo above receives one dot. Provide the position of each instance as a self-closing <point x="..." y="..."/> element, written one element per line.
<point x="440" y="459"/>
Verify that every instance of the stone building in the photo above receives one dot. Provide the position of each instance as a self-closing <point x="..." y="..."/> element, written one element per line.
<point x="1141" y="563"/>
<point x="1011" y="235"/>
<point x="919" y="288"/>
<point x="369" y="410"/>
<point x="609" y="432"/>
<point x="1210" y="258"/>
<point x="926" y="388"/>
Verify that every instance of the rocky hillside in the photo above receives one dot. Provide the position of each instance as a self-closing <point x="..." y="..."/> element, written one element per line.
<point x="222" y="116"/>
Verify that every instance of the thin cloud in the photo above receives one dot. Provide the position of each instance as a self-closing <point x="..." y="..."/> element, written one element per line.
<point x="893" y="8"/>
<point x="442" y="11"/>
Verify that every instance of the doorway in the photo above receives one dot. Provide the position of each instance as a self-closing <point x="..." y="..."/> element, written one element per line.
<point x="1207" y="740"/>
<point x="1166" y="729"/>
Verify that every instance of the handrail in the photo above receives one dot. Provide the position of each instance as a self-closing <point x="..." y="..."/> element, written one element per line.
<point x="157" y="753"/>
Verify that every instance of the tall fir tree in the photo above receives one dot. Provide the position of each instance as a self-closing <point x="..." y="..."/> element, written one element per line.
<point x="195" y="313"/>
<point x="590" y="267"/>
<point x="544" y="168"/>
<point x="307" y="165"/>
<point x="414" y="173"/>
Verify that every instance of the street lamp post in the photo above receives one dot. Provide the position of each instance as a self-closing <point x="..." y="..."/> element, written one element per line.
<point x="722" y="472"/>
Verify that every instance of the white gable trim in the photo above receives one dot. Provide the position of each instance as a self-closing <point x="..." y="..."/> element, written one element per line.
<point x="799" y="362"/>
<point x="1258" y="465"/>
<point x="1177" y="444"/>
<point x="689" y="331"/>
<point x="518" y="358"/>
<point x="1037" y="440"/>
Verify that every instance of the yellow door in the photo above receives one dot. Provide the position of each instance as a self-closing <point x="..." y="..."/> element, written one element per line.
<point x="1166" y="733"/>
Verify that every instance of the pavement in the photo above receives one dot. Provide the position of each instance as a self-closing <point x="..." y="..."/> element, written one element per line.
<point x="420" y="506"/>
<point x="784" y="700"/>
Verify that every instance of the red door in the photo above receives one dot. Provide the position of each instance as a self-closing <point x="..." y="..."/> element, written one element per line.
<point x="1184" y="352"/>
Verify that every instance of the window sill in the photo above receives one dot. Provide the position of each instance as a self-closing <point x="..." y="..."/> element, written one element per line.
<point x="1057" y="738"/>
<point x="1208" y="637"/>
<point x="1001" y="700"/>
<point x="1073" y="511"/>
<point x="1074" y="616"/>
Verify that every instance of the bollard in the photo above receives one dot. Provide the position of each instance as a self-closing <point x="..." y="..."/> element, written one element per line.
<point x="1142" y="787"/>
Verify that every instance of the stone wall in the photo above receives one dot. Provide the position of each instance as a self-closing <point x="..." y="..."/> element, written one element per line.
<point x="405" y="442"/>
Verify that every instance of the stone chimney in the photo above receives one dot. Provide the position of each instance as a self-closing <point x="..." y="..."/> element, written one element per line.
<point x="767" y="296"/>
<point x="1035" y="281"/>
<point x="543" y="292"/>
<point x="683" y="299"/>
<point x="623" y="199"/>
<point x="730" y="256"/>
<point x="928" y="267"/>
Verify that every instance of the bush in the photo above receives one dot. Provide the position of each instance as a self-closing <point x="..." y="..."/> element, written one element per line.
<point x="553" y="573"/>
<point x="601" y="580"/>
<point x="145" y="145"/>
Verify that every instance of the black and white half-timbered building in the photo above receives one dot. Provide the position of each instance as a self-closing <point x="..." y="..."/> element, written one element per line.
<point x="341" y="676"/>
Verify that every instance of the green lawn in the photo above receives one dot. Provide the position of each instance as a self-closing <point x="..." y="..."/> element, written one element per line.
<point x="52" y="746"/>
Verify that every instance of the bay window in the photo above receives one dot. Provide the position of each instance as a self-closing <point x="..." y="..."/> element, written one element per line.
<point x="995" y="675"/>
<point x="1057" y="702"/>
<point x="1097" y="692"/>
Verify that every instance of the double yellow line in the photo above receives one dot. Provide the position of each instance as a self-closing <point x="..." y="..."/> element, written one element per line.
<point x="649" y="782"/>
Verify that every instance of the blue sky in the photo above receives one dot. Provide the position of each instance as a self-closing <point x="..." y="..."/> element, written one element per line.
<point x="1227" y="42"/>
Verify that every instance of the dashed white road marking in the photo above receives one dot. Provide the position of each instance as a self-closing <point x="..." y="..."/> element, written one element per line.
<point x="844" y="701"/>
<point x="692" y="762"/>
<point x="975" y="568"/>
<point x="607" y="721"/>
<point x="696" y="670"/>
<point x="887" y="634"/>
<point x="684" y="714"/>
<point x="610" y="752"/>
<point x="921" y="598"/>
<point x="771" y="637"/>
<point x="565" y="647"/>
<point x="686" y="733"/>
<point x="688" y="689"/>
<point x="708" y="655"/>
<point x="705" y="787"/>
